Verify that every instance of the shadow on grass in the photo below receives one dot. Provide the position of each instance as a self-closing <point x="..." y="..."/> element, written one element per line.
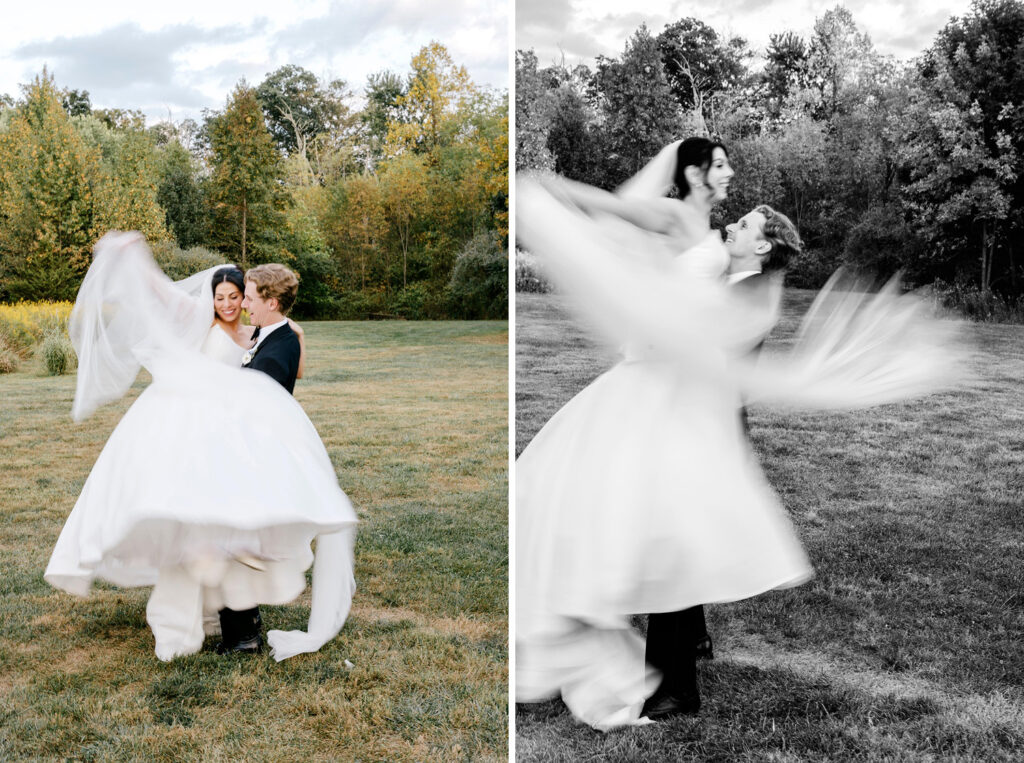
<point x="751" y="713"/>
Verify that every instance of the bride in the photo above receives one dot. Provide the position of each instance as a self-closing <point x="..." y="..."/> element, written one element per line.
<point x="214" y="483"/>
<point x="641" y="494"/>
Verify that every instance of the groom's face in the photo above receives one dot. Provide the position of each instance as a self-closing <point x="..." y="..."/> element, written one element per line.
<point x="257" y="307"/>
<point x="745" y="237"/>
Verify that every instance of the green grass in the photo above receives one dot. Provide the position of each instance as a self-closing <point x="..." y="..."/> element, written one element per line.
<point x="415" y="418"/>
<point x="908" y="644"/>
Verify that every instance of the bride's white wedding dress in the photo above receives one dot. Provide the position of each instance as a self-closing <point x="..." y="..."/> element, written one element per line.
<point x="639" y="495"/>
<point x="642" y="493"/>
<point x="214" y="483"/>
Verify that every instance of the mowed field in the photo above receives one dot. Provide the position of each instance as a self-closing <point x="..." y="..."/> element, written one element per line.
<point x="415" y="419"/>
<point x="908" y="644"/>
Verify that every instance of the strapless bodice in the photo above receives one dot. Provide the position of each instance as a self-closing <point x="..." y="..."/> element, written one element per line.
<point x="219" y="346"/>
<point x="707" y="259"/>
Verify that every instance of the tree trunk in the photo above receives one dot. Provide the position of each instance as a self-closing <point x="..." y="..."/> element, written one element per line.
<point x="245" y="213"/>
<point x="986" y="257"/>
<point x="1013" y="268"/>
<point x="405" y="259"/>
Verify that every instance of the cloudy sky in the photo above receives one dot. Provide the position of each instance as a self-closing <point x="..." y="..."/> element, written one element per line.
<point x="582" y="29"/>
<point x="176" y="58"/>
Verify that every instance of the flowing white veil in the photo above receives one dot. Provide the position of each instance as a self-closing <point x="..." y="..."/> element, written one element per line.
<point x="656" y="178"/>
<point x="127" y="314"/>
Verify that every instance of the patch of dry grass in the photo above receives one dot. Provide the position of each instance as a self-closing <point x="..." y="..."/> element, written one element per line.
<point x="906" y="645"/>
<point x="414" y="416"/>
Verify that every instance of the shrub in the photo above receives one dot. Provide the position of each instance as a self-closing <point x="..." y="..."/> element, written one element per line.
<point x="410" y="301"/>
<point x="528" y="275"/>
<point x="979" y="304"/>
<point x="318" y="287"/>
<point x="479" y="284"/>
<point x="359" y="305"/>
<point x="181" y="263"/>
<point x="810" y="269"/>
<point x="880" y="241"/>
<point x="58" y="353"/>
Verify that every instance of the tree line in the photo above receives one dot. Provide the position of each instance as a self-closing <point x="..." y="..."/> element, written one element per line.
<point x="395" y="207"/>
<point x="883" y="165"/>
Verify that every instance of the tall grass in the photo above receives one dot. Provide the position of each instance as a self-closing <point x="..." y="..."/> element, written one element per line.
<point x="58" y="353"/>
<point x="25" y="324"/>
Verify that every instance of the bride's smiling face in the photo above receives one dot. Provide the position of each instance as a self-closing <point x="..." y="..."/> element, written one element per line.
<point x="227" y="301"/>
<point x="718" y="175"/>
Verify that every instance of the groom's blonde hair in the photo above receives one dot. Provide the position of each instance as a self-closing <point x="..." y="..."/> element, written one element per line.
<point x="275" y="281"/>
<point x="780" y="232"/>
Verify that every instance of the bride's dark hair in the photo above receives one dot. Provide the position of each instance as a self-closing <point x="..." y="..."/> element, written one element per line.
<point x="228" y="274"/>
<point x="693" y="152"/>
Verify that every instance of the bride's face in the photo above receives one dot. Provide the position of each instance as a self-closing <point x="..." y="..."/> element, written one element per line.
<point x="227" y="301"/>
<point x="719" y="174"/>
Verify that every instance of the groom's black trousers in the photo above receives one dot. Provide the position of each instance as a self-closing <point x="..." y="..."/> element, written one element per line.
<point x="239" y="625"/>
<point x="671" y="637"/>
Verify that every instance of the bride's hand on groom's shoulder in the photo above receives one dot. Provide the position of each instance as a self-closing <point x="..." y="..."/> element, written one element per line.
<point x="302" y="347"/>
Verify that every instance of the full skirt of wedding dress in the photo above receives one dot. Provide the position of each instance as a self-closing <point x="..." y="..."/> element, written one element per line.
<point x="211" y="488"/>
<point x="640" y="495"/>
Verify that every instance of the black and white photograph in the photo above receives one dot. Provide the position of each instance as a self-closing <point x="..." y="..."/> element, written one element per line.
<point x="769" y="469"/>
<point x="254" y="356"/>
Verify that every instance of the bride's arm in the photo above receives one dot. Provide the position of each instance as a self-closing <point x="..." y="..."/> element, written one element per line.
<point x="654" y="214"/>
<point x="302" y="346"/>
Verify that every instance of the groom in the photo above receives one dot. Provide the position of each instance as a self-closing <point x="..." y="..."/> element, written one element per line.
<point x="762" y="238"/>
<point x="270" y="292"/>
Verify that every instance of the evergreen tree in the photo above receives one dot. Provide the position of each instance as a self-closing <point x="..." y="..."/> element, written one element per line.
<point x="47" y="218"/>
<point x="640" y="111"/>
<point x="247" y="200"/>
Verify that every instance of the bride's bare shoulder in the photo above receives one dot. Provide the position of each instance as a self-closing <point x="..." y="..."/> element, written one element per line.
<point x="686" y="225"/>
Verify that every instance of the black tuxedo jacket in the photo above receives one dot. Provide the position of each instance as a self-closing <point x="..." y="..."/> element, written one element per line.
<point x="752" y="289"/>
<point x="278" y="357"/>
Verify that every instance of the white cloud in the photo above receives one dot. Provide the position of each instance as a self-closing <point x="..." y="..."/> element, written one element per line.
<point x="583" y="30"/>
<point x="189" y="54"/>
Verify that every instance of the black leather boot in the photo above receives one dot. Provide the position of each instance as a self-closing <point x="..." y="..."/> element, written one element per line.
<point x="240" y="631"/>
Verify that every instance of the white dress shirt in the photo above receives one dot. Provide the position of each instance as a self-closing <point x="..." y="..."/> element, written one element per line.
<point x="737" y="277"/>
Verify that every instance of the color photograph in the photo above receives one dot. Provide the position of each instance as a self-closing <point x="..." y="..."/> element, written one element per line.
<point x="254" y="360"/>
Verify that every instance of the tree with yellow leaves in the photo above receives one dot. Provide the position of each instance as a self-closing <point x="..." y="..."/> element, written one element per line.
<point x="128" y="195"/>
<point x="434" y="104"/>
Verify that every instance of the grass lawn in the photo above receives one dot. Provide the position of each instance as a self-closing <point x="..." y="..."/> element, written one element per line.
<point x="908" y="644"/>
<point x="415" y="418"/>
